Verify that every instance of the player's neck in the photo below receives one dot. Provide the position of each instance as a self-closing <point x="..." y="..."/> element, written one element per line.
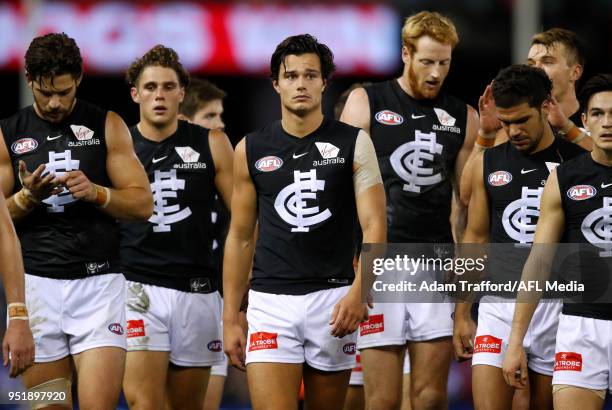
<point x="569" y="103"/>
<point x="301" y="126"/>
<point x="157" y="133"/>
<point x="404" y="83"/>
<point x="547" y="140"/>
<point x="601" y="156"/>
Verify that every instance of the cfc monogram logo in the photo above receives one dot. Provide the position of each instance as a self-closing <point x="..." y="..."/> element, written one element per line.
<point x="291" y="201"/>
<point x="521" y="216"/>
<point x="59" y="164"/>
<point x="597" y="228"/>
<point x="165" y="186"/>
<point x="408" y="160"/>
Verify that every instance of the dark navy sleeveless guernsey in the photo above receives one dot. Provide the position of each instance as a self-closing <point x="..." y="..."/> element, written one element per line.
<point x="64" y="238"/>
<point x="417" y="142"/>
<point x="586" y="196"/>
<point x="173" y="249"/>
<point x="306" y="207"/>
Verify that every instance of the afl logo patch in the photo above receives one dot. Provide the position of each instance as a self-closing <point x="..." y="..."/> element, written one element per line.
<point x="499" y="178"/>
<point x="349" y="348"/>
<point x="389" y="117"/>
<point x="215" y="346"/>
<point x="581" y="192"/>
<point x="269" y="164"/>
<point x="23" y="145"/>
<point x="116" y="328"/>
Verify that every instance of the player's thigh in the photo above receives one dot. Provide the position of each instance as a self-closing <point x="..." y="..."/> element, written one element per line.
<point x="324" y="390"/>
<point x="355" y="398"/>
<point x="540" y="387"/>
<point x="144" y="383"/>
<point x="186" y="387"/>
<point x="489" y="389"/>
<point x="572" y="398"/>
<point x="214" y="392"/>
<point x="42" y="373"/>
<point x="430" y="362"/>
<point x="99" y="373"/>
<point x="382" y="373"/>
<point x="406" y="391"/>
<point x="274" y="386"/>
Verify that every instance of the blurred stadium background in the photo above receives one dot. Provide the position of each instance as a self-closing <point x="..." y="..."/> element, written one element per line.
<point x="230" y="43"/>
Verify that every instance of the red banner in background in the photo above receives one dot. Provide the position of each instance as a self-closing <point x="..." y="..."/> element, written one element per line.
<point x="211" y="38"/>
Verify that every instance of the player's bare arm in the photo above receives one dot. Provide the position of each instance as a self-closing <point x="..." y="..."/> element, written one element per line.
<point x="371" y="206"/>
<point x="36" y="187"/>
<point x="467" y="150"/>
<point x="477" y="232"/>
<point x="18" y="341"/>
<point x="223" y="157"/>
<point x="357" y="110"/>
<point x="239" y="248"/>
<point x="129" y="198"/>
<point x="548" y="232"/>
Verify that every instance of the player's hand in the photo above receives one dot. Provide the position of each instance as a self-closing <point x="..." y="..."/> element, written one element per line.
<point x="464" y="330"/>
<point x="488" y="111"/>
<point x="40" y="187"/>
<point x="348" y="313"/>
<point x="18" y="342"/>
<point x="234" y="343"/>
<point x="514" y="367"/>
<point x="556" y="117"/>
<point x="79" y="185"/>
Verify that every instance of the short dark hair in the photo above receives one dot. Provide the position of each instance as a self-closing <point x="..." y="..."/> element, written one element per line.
<point x="157" y="56"/>
<point x="563" y="36"/>
<point x="521" y="83"/>
<point x="596" y="84"/>
<point x="52" y="55"/>
<point x="199" y="93"/>
<point x="298" y="45"/>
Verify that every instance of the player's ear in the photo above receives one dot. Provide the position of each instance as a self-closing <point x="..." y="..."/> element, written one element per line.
<point x="134" y="95"/>
<point x="181" y="94"/>
<point x="583" y="117"/>
<point x="406" y="55"/>
<point x="275" y="85"/>
<point x="78" y="80"/>
<point x="324" y="84"/>
<point x="545" y="108"/>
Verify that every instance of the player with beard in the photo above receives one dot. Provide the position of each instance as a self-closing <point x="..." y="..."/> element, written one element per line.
<point x="203" y="105"/>
<point x="575" y="208"/>
<point x="423" y="138"/>
<point x="173" y="306"/>
<point x="508" y="179"/>
<point x="85" y="177"/>
<point x="305" y="179"/>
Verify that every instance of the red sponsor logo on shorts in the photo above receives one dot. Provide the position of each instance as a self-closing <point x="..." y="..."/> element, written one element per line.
<point x="568" y="361"/>
<point x="375" y="324"/>
<point x="358" y="368"/>
<point x="263" y="341"/>
<point x="349" y="348"/>
<point x="135" y="328"/>
<point x="487" y="344"/>
<point x="116" y="328"/>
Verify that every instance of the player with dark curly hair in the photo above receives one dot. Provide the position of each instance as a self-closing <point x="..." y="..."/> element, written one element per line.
<point x="173" y="306"/>
<point x="85" y="176"/>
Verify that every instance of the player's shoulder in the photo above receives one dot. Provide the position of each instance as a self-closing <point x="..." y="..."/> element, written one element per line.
<point x="339" y="127"/>
<point x="265" y="131"/>
<point x="186" y="127"/>
<point x="568" y="149"/>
